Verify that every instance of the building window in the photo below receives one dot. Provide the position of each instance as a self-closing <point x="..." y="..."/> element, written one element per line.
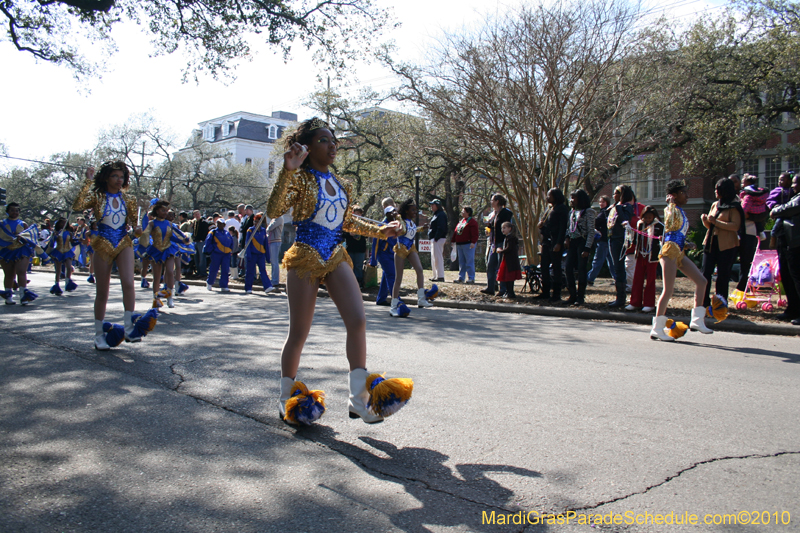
<point x="226" y="129"/>
<point x="248" y="161"/>
<point x="794" y="164"/>
<point x="750" y="166"/>
<point x="271" y="171"/>
<point x="774" y="167"/>
<point x="272" y="131"/>
<point x="208" y="132"/>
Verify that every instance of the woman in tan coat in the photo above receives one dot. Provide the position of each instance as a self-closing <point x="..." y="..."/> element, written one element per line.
<point x="724" y="223"/>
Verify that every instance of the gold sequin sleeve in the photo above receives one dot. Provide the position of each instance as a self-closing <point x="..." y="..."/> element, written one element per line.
<point x="673" y="219"/>
<point x="357" y="225"/>
<point x="86" y="197"/>
<point x="293" y="189"/>
<point x="132" y="208"/>
<point x="144" y="238"/>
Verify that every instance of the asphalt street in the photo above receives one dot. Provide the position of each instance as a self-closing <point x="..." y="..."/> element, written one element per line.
<point x="511" y="414"/>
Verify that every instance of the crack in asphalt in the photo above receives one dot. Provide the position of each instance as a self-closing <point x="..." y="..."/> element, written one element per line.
<point x="180" y="376"/>
<point x="679" y="474"/>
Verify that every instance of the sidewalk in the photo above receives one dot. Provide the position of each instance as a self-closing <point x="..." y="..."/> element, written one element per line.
<point x="754" y="323"/>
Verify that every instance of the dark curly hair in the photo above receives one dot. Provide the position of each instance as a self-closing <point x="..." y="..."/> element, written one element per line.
<point x="404" y="207"/>
<point x="581" y="199"/>
<point x="160" y="203"/>
<point x="102" y="175"/>
<point x="305" y="133"/>
<point x="675" y="185"/>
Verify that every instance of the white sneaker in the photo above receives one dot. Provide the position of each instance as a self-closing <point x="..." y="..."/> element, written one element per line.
<point x="100" y="342"/>
<point x="248" y="292"/>
<point x="648" y="309"/>
<point x="209" y="287"/>
<point x="269" y="289"/>
<point x="225" y="289"/>
<point x="629" y="307"/>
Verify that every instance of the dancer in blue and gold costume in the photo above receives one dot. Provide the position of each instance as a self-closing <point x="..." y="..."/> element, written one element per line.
<point x="257" y="254"/>
<point x="406" y="249"/>
<point x="15" y="255"/>
<point x="105" y="192"/>
<point x="676" y="226"/>
<point x="165" y="239"/>
<point x="61" y="250"/>
<point x="185" y="252"/>
<point x="322" y="212"/>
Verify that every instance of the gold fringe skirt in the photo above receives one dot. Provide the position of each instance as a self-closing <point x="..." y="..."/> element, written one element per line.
<point x="670" y="250"/>
<point x="402" y="251"/>
<point x="306" y="261"/>
<point x="106" y="250"/>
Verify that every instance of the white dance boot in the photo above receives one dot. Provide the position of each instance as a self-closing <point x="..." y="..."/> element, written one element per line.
<point x="422" y="301"/>
<point x="100" y="337"/>
<point x="359" y="397"/>
<point x="286" y="390"/>
<point x="698" y="322"/>
<point x="170" y="301"/>
<point x="393" y="310"/>
<point x="657" y="332"/>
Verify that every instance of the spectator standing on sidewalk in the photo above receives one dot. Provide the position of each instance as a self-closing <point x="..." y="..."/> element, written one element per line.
<point x="437" y="233"/>
<point x="787" y="220"/>
<point x="199" y="234"/>
<point x="275" y="235"/>
<point x="619" y="214"/>
<point x="465" y="238"/>
<point x="500" y="213"/>
<point x="580" y="238"/>
<point x="553" y="232"/>
<point x="601" y="254"/>
<point x="725" y="222"/>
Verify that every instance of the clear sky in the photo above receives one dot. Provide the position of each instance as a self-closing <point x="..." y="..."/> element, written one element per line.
<point x="45" y="111"/>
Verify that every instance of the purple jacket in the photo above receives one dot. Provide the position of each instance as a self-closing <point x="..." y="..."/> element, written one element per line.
<point x="779" y="196"/>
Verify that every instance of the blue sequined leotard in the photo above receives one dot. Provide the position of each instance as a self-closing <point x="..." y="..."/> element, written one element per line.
<point x="323" y="229"/>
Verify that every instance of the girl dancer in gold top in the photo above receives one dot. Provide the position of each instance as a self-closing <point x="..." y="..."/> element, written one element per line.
<point x="322" y="211"/>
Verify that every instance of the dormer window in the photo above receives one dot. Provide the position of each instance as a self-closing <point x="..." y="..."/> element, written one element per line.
<point x="226" y="128"/>
<point x="208" y="132"/>
<point x="272" y="131"/>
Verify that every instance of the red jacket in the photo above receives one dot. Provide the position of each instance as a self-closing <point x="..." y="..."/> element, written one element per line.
<point x="469" y="234"/>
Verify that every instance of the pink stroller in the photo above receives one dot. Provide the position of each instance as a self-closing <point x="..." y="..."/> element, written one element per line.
<point x="762" y="283"/>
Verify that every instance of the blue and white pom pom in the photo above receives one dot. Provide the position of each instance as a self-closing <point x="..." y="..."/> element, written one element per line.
<point x="70" y="285"/>
<point x="115" y="334"/>
<point x="304" y="406"/>
<point x="387" y="396"/>
<point x="143" y="324"/>
<point x="56" y="289"/>
<point x="432" y="293"/>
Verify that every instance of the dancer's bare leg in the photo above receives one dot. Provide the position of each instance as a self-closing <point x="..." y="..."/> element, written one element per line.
<point x="668" y="270"/>
<point x="413" y="258"/>
<point x="126" y="273"/>
<point x="344" y="291"/>
<point x="693" y="273"/>
<point x="302" y="296"/>
<point x="399" y="266"/>
<point x="102" y="286"/>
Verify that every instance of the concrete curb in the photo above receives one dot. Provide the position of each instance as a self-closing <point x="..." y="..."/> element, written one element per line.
<point x="731" y="325"/>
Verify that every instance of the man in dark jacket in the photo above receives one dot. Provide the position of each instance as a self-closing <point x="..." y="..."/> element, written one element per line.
<point x="247" y="223"/>
<point x="199" y="238"/>
<point x="496" y="240"/>
<point x="437" y="233"/>
<point x="787" y="224"/>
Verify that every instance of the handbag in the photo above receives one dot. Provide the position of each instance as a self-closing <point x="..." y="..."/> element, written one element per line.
<point x="370" y="276"/>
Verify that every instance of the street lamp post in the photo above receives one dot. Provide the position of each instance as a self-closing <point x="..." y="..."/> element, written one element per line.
<point x="417" y="176"/>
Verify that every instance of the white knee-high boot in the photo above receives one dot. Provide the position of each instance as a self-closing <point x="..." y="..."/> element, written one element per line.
<point x="422" y="300"/>
<point x="657" y="332"/>
<point x="359" y="397"/>
<point x="100" y="337"/>
<point x="698" y="322"/>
